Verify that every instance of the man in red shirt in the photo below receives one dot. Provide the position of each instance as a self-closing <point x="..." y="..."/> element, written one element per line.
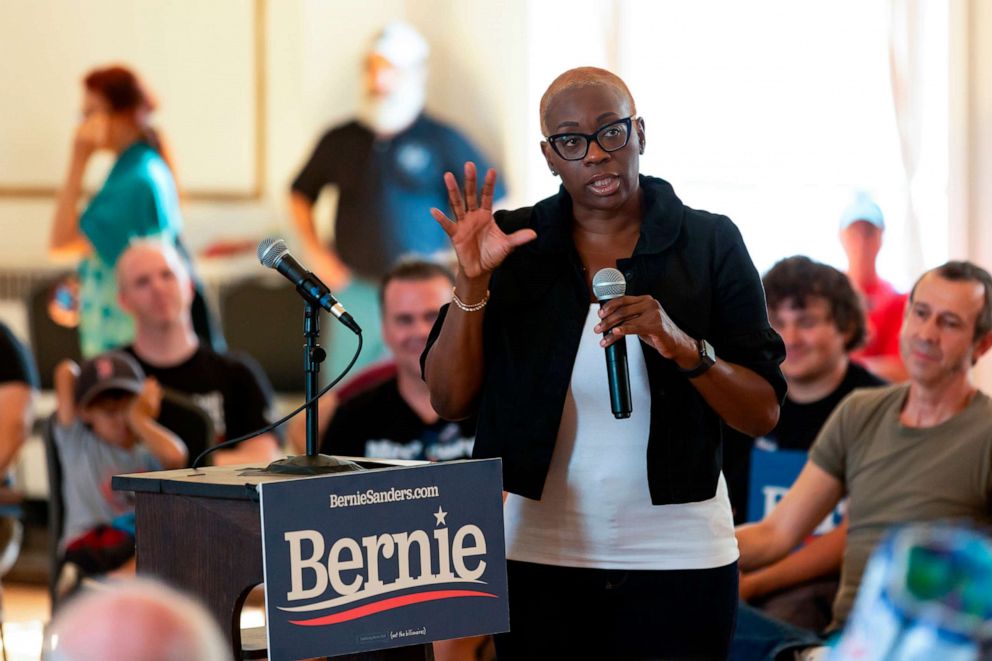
<point x="861" y="229"/>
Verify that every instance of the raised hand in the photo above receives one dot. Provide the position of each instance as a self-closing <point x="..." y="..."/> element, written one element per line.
<point x="479" y="243"/>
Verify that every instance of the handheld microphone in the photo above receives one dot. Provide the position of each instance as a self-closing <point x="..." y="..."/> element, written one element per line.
<point x="608" y="284"/>
<point x="274" y="254"/>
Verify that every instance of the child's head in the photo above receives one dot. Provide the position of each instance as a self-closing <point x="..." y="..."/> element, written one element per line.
<point x="105" y="390"/>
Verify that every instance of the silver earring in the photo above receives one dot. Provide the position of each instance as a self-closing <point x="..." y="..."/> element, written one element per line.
<point x="554" y="173"/>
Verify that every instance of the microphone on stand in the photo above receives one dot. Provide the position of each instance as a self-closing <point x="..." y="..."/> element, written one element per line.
<point x="608" y="284"/>
<point x="274" y="254"/>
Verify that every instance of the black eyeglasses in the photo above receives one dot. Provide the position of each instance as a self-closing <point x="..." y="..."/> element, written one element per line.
<point x="575" y="146"/>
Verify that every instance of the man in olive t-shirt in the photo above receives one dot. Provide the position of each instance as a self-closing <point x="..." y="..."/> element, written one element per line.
<point x="902" y="454"/>
<point x="894" y="474"/>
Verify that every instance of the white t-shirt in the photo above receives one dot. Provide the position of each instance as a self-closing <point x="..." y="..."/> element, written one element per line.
<point x="595" y="510"/>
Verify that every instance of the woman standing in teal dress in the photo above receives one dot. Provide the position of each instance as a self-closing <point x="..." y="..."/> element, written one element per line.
<point x="138" y="200"/>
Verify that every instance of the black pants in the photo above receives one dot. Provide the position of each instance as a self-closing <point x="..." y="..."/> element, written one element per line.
<point x="567" y="613"/>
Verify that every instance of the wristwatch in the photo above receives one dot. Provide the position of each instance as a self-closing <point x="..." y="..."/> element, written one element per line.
<point x="707" y="356"/>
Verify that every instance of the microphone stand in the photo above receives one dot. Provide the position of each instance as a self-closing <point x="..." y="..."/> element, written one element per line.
<point x="312" y="463"/>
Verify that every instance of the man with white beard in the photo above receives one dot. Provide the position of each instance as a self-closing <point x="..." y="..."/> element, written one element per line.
<point x="387" y="165"/>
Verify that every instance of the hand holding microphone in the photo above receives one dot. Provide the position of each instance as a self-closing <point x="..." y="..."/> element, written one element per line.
<point x="644" y="317"/>
<point x="608" y="284"/>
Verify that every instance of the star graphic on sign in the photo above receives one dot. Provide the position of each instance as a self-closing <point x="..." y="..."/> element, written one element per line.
<point x="439" y="515"/>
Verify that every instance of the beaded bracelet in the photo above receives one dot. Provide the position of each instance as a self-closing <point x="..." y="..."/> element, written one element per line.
<point x="474" y="307"/>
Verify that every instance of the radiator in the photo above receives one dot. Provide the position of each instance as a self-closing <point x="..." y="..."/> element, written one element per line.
<point x="17" y="284"/>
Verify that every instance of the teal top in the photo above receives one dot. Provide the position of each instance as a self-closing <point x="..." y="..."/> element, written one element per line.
<point x="138" y="200"/>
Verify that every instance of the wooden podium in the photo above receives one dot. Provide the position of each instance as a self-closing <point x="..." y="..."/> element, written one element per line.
<point x="200" y="531"/>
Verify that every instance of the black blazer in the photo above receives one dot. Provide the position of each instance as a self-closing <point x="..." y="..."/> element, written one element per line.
<point x="694" y="263"/>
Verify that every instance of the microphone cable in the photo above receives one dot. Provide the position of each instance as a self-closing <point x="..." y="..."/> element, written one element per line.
<point x="271" y="427"/>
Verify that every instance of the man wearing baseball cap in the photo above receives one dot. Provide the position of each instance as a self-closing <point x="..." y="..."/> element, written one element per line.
<point x="105" y="426"/>
<point x="861" y="229"/>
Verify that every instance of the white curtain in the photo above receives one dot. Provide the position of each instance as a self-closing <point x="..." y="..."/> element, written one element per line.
<point x="907" y="77"/>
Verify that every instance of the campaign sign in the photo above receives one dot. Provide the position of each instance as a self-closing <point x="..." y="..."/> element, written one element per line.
<point x="772" y="473"/>
<point x="383" y="558"/>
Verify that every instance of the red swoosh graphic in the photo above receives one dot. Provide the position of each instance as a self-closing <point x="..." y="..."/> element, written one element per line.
<point x="388" y="604"/>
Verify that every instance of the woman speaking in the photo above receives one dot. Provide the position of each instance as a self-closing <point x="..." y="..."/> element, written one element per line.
<point x="619" y="535"/>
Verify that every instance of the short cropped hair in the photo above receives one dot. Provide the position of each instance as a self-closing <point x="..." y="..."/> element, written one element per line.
<point x="166" y="248"/>
<point x="794" y="279"/>
<point x="962" y="271"/>
<point x="414" y="270"/>
<point x="582" y="77"/>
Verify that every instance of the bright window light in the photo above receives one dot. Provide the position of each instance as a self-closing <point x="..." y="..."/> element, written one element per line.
<point x="774" y="113"/>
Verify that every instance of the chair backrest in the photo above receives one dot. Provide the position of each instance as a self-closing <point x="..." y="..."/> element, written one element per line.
<point x="263" y="317"/>
<point x="50" y="342"/>
<point x="56" y="506"/>
<point x="182" y="416"/>
<point x="368" y="377"/>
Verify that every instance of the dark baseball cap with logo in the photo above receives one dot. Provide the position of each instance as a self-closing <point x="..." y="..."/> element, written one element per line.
<point x="113" y="370"/>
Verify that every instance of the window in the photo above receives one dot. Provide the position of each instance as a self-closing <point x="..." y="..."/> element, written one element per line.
<point x="773" y="113"/>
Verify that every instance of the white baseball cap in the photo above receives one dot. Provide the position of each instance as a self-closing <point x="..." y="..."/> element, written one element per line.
<point x="402" y="45"/>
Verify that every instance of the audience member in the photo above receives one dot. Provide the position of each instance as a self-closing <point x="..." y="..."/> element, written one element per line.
<point x="387" y="165"/>
<point x="136" y="619"/>
<point x="394" y="419"/>
<point x="861" y="228"/>
<point x="155" y="289"/>
<point x="819" y="316"/>
<point x="905" y="453"/>
<point x="138" y="199"/>
<point x="104" y="426"/>
<point x="18" y="383"/>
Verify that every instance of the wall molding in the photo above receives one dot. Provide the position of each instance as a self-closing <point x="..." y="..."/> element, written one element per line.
<point x="260" y="133"/>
